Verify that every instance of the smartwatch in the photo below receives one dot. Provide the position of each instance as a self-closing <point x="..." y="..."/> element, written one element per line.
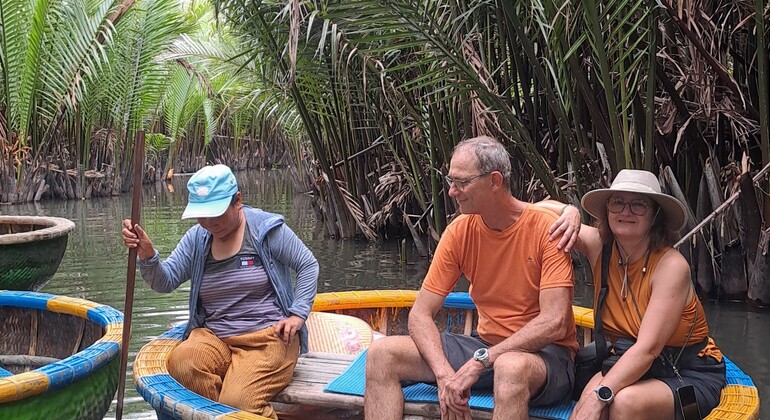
<point x="482" y="355"/>
<point x="604" y="393"/>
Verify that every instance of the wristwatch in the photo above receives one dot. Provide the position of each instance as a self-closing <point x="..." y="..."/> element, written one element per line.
<point x="482" y="355"/>
<point x="604" y="393"/>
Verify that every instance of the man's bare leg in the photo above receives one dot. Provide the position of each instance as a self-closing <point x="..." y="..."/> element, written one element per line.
<point x="518" y="376"/>
<point x="390" y="360"/>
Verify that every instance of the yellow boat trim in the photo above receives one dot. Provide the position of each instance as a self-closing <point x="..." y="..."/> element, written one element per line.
<point x="71" y="306"/>
<point x="23" y="385"/>
<point x="152" y="359"/>
<point x="737" y="402"/>
<point x="364" y="299"/>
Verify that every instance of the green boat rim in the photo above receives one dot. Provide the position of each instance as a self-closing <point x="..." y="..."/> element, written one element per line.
<point x="51" y="227"/>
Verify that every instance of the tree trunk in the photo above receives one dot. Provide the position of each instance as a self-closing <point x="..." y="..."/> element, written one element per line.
<point x="734" y="274"/>
<point x="707" y="277"/>
<point x="759" y="286"/>
<point x="750" y="217"/>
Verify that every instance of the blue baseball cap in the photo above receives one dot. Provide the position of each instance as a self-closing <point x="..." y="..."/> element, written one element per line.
<point x="211" y="190"/>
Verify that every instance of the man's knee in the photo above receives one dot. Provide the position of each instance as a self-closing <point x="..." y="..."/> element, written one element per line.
<point x="518" y="374"/>
<point x="395" y="358"/>
<point x="380" y="358"/>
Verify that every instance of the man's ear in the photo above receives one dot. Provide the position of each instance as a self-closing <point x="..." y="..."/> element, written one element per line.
<point x="497" y="179"/>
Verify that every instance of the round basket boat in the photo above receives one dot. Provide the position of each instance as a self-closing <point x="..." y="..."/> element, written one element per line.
<point x="31" y="249"/>
<point x="60" y="356"/>
<point x="386" y="313"/>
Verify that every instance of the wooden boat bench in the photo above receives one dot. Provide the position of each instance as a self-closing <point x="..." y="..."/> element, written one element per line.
<point x="315" y="370"/>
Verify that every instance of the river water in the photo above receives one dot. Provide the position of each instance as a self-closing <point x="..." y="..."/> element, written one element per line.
<point x="94" y="268"/>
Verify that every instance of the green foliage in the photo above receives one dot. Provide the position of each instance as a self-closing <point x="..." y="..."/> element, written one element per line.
<point x="385" y="88"/>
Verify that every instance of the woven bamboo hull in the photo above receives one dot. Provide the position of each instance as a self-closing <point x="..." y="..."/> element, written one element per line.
<point x="31" y="249"/>
<point x="64" y="354"/>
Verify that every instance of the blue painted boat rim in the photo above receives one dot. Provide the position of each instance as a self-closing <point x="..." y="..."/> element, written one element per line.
<point x="77" y="366"/>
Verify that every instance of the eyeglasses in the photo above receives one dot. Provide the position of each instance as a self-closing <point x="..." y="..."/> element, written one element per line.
<point x="638" y="207"/>
<point x="462" y="183"/>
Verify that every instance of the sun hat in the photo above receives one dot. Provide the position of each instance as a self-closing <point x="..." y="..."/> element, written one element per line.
<point x="211" y="190"/>
<point x="639" y="182"/>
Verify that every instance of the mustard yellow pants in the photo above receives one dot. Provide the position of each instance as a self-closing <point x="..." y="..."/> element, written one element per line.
<point x="244" y="371"/>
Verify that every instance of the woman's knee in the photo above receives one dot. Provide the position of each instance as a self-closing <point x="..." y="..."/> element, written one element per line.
<point x="630" y="403"/>
<point x="188" y="358"/>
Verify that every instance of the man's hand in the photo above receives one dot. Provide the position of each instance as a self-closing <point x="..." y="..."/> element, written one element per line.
<point x="568" y="227"/>
<point x="287" y="328"/>
<point x="588" y="408"/>
<point x="455" y="391"/>
<point x="137" y="238"/>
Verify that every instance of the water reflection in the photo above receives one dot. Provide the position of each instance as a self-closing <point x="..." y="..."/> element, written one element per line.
<point x="94" y="267"/>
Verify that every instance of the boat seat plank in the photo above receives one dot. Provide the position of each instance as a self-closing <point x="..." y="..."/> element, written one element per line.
<point x="315" y="370"/>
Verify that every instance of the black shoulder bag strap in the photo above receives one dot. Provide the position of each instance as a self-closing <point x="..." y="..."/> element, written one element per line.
<point x="601" y="342"/>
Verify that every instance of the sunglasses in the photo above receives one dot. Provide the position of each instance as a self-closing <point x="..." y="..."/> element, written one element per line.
<point x="638" y="207"/>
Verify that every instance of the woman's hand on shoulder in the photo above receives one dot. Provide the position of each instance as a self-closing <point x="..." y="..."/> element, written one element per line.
<point x="572" y="233"/>
<point x="566" y="228"/>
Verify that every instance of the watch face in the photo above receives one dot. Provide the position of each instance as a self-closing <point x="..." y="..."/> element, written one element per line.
<point x="480" y="354"/>
<point x="604" y="392"/>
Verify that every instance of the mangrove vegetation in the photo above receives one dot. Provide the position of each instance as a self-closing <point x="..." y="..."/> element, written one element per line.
<point x="365" y="99"/>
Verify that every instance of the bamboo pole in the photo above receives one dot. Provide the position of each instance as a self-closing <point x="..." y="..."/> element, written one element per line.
<point x="720" y="209"/>
<point x="136" y="202"/>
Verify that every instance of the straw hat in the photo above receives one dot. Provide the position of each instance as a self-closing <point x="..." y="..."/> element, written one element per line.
<point x="639" y="182"/>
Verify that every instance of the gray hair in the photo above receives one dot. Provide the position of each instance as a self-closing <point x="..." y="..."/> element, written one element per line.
<point x="491" y="155"/>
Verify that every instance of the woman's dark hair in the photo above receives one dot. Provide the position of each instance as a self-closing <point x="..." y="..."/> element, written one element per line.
<point x="235" y="198"/>
<point x="660" y="235"/>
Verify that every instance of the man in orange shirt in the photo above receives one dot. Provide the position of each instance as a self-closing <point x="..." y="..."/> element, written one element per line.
<point x="522" y="286"/>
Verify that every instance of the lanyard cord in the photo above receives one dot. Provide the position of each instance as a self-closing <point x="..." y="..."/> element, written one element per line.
<point x="689" y="333"/>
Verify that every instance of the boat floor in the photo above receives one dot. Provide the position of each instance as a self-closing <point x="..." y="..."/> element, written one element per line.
<point x="304" y="397"/>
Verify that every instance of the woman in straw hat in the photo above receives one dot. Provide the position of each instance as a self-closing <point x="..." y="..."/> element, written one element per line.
<point x="651" y="313"/>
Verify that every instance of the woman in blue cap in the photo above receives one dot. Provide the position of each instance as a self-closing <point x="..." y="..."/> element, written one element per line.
<point x="240" y="347"/>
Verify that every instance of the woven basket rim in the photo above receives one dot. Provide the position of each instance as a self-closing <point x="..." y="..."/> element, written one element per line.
<point x="54" y="228"/>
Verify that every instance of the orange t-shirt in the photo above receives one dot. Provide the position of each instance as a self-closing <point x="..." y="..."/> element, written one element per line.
<point x="506" y="270"/>
<point x="620" y="318"/>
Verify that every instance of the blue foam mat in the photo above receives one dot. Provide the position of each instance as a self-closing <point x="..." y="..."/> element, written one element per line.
<point x="352" y="382"/>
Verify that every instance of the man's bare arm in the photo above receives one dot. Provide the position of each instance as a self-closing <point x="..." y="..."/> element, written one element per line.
<point x="425" y="334"/>
<point x="547" y="327"/>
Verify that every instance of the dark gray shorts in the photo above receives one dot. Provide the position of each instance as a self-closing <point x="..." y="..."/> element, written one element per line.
<point x="707" y="375"/>
<point x="560" y="368"/>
